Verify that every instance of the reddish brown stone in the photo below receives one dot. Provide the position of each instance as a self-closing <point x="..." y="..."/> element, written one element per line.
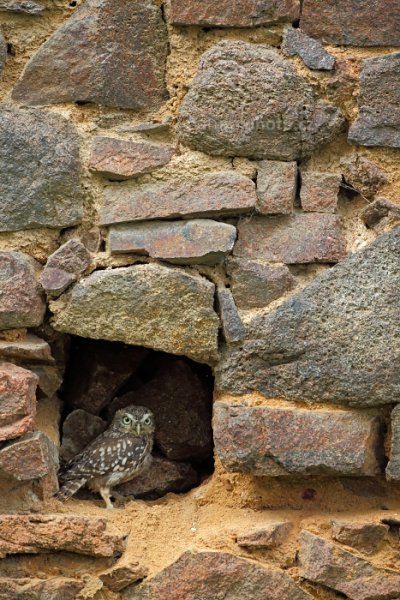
<point x="56" y="588"/>
<point x="122" y="575"/>
<point x="352" y="22"/>
<point x="33" y="534"/>
<point x="366" y="537"/>
<point x="301" y="238"/>
<point x="216" y="194"/>
<point x="64" y="266"/>
<point x="17" y="400"/>
<point x="378" y="210"/>
<point x="319" y="192"/>
<point x="31" y="457"/>
<point x="50" y="379"/>
<point x="362" y="174"/>
<point x="29" y="349"/>
<point x="233" y="13"/>
<point x="122" y="159"/>
<point x="276" y="187"/>
<point x="273" y="534"/>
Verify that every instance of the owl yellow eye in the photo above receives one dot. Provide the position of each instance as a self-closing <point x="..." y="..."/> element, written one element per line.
<point x="126" y="420"/>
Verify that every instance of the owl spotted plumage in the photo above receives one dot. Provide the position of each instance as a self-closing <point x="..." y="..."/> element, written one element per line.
<point x="119" y="454"/>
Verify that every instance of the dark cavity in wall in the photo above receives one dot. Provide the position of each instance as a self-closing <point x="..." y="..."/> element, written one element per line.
<point x="102" y="377"/>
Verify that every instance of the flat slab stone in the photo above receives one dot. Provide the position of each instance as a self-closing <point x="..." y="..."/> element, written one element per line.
<point x="109" y="52"/>
<point x="393" y="467"/>
<point x="365" y="537"/>
<point x="145" y="305"/>
<point x="312" y="53"/>
<point x="319" y="345"/>
<point x="31" y="457"/>
<point x="17" y="400"/>
<point x="276" y="187"/>
<point x="27" y="349"/>
<point x="378" y="122"/>
<point x="223" y="193"/>
<point x="259" y="107"/>
<point x="200" y="241"/>
<point x="3" y="52"/>
<point x="274" y="442"/>
<point x="39" y="170"/>
<point x="271" y="535"/>
<point x="30" y="8"/>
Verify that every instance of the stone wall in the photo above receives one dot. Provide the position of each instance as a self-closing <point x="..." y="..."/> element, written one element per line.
<point x="216" y="181"/>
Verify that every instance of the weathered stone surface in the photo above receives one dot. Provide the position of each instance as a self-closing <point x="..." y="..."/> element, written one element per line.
<point x="393" y="468"/>
<point x="273" y="534"/>
<point x="233" y="13"/>
<point x="255" y="283"/>
<point x="232" y="325"/>
<point x="362" y="174"/>
<point x="17" y="400"/>
<point x="378" y="122"/>
<point x="38" y="589"/>
<point x="326" y="563"/>
<point x="29" y="349"/>
<point x="33" y="534"/>
<point x="267" y="441"/>
<point x="110" y="52"/>
<point x="223" y="193"/>
<point x="22" y="304"/>
<point x="211" y="575"/>
<point x="378" y="210"/>
<point x="122" y="159"/>
<point x="163" y="477"/>
<point x="30" y="457"/>
<point x="300" y="238"/>
<point x="64" y="267"/>
<point x="276" y="187"/>
<point x="259" y="107"/>
<point x="3" y="53"/>
<point x="31" y="8"/>
<point x="122" y="575"/>
<point x="319" y="345"/>
<point x="79" y="429"/>
<point x="319" y="192"/>
<point x="199" y="241"/>
<point x="366" y="537"/>
<point x="50" y="379"/>
<point x="352" y="22"/>
<point x="312" y="53"/>
<point x="146" y="305"/>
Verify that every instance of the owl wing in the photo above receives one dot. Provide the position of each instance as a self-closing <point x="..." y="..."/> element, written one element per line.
<point x="91" y="461"/>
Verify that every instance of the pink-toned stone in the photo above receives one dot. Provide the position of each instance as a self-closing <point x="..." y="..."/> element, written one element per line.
<point x="276" y="187"/>
<point x="319" y="192"/>
<point x="64" y="266"/>
<point x="33" y="456"/>
<point x="122" y="575"/>
<point x="30" y="348"/>
<point x="17" y="400"/>
<point x="271" y="535"/>
<point x="366" y="537"/>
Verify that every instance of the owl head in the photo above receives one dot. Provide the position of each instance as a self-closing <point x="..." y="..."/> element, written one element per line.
<point x="135" y="420"/>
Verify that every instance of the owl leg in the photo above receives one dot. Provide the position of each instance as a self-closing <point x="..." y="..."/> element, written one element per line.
<point x="105" y="494"/>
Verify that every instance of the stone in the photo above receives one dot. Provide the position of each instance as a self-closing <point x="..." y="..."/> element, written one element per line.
<point x="32" y="456"/>
<point x="365" y="537"/>
<point x="123" y="159"/>
<point x="225" y="193"/>
<point x="64" y="267"/>
<point x="378" y="122"/>
<point x="312" y="52"/>
<point x="118" y="59"/>
<point x="274" y="442"/>
<point x="296" y="239"/>
<point x="212" y="575"/>
<point x="327" y="564"/>
<point x="39" y="170"/>
<point x="362" y="174"/>
<point x="29" y="349"/>
<point x="163" y="477"/>
<point x="199" y="241"/>
<point x="37" y="589"/>
<point x="255" y="283"/>
<point x="319" y="192"/>
<point x="351" y="22"/>
<point x="79" y="429"/>
<point x="181" y="401"/>
<point x="266" y="110"/>
<point x="121" y="575"/>
<point x="378" y="210"/>
<point x="393" y="467"/>
<point x="271" y="535"/>
<point x="107" y="367"/>
<point x="17" y="400"/>
<point x="22" y="303"/>
<point x="30" y="8"/>
<point x="233" y="13"/>
<point x="3" y="52"/>
<point x="276" y="187"/>
<point x="150" y="305"/>
<point x="232" y="326"/>
<point x="34" y="534"/>
<point x="319" y="345"/>
<point x="50" y="379"/>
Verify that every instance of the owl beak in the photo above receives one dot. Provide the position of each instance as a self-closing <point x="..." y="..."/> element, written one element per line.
<point x="138" y="428"/>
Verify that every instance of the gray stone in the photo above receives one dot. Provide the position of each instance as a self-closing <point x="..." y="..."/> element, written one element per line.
<point x="225" y="193"/>
<point x="39" y="170"/>
<point x="393" y="468"/>
<point x="274" y="442"/>
<point x="365" y="537"/>
<point x="64" y="267"/>
<point x="378" y="122"/>
<point x="110" y="52"/>
<point x="200" y="241"/>
<point x="50" y="379"/>
<point x="270" y="535"/>
<point x="276" y="187"/>
<point x="145" y="305"/>
<point x="232" y="325"/>
<point x="246" y="100"/>
<point x="320" y="344"/>
<point x="312" y="53"/>
<point x="30" y="8"/>
<point x="3" y="53"/>
<point x="79" y="429"/>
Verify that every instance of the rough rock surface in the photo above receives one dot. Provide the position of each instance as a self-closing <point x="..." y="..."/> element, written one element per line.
<point x="64" y="266"/>
<point x="17" y="400"/>
<point x="3" y="53"/>
<point x="362" y="174"/>
<point x="29" y="349"/>
<point x="232" y="326"/>
<point x="31" y="8"/>
<point x="259" y="107"/>
<point x="319" y="192"/>
<point x="378" y="210"/>
<point x="39" y="170"/>
<point x="49" y="379"/>
<point x="30" y="588"/>
<point x="122" y="575"/>
<point x="312" y="53"/>
<point x="211" y="575"/>
<point x="366" y="537"/>
<point x="22" y="303"/>
<point x="320" y="344"/>
<point x="378" y="122"/>
<point x="219" y="194"/>
<point x="32" y="456"/>
<point x="146" y="305"/>
<point x="79" y="429"/>
<point x="326" y="563"/>
<point x="273" y="534"/>
<point x="198" y="241"/>
<point x="273" y="442"/>
<point x="118" y="58"/>
<point x="393" y="467"/>
<point x="276" y="187"/>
